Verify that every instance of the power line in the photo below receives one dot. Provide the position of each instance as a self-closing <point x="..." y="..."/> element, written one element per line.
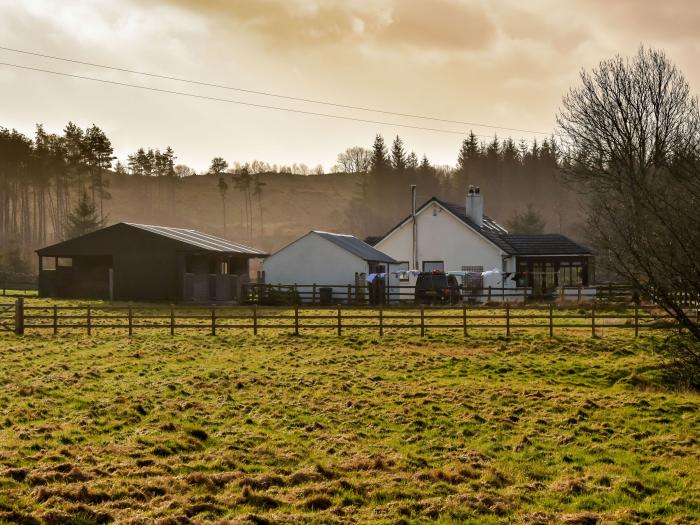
<point x="271" y="94"/>
<point x="239" y="102"/>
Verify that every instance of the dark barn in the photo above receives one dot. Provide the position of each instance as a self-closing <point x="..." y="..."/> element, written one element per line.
<point x="146" y="263"/>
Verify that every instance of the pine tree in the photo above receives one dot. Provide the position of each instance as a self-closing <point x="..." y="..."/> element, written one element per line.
<point x="412" y="161"/>
<point x="83" y="219"/>
<point x="223" y="189"/>
<point x="528" y="222"/>
<point x="398" y="155"/>
<point x="380" y="162"/>
<point x="468" y="153"/>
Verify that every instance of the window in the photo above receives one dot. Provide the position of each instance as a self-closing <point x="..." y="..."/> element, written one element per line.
<point x="430" y="266"/>
<point x="64" y="262"/>
<point x="472" y="280"/>
<point x="570" y="274"/>
<point x="402" y="267"/>
<point x="375" y="267"/>
<point x="48" y="263"/>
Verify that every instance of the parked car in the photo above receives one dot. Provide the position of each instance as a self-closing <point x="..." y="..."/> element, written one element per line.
<point x="436" y="287"/>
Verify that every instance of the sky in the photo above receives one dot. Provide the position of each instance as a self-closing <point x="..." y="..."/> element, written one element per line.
<point x="500" y="63"/>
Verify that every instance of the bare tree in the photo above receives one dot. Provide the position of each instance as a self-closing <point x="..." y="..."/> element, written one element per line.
<point x="355" y="160"/>
<point x="632" y="131"/>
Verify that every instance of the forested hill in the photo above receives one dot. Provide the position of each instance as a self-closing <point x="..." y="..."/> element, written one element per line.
<point x="290" y="205"/>
<point x="58" y="185"/>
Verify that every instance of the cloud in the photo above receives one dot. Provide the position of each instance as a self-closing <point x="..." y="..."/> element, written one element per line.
<point x="439" y="24"/>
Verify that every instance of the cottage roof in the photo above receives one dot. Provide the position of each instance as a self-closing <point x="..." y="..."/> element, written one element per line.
<point x="545" y="244"/>
<point x="511" y="244"/>
<point x="356" y="247"/>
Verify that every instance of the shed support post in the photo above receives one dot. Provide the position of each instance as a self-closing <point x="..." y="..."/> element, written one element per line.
<point x="551" y="320"/>
<point x="255" y="319"/>
<point x="19" y="316"/>
<point x="464" y="319"/>
<point x="507" y="320"/>
<point x="296" y="320"/>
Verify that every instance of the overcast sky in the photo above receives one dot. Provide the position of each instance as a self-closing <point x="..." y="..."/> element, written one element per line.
<point x="500" y="62"/>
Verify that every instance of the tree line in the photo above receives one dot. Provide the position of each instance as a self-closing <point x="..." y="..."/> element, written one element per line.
<point x="518" y="180"/>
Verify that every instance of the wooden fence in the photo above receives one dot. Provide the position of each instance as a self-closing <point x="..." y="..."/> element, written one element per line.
<point x="358" y="295"/>
<point x="175" y="319"/>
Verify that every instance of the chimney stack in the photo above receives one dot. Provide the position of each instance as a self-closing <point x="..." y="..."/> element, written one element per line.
<point x="475" y="205"/>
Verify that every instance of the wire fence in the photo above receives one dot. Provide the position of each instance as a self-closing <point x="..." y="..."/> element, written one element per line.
<point x="507" y="320"/>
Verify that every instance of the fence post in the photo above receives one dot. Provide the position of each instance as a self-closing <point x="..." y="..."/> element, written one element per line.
<point x="507" y="319"/>
<point x="579" y="293"/>
<point x="255" y="319"/>
<point x="213" y="321"/>
<point x="340" y="322"/>
<point x="422" y="321"/>
<point x="349" y="293"/>
<point x="19" y="316"/>
<point x="296" y="319"/>
<point x="464" y="319"/>
<point x="55" y="319"/>
<point x="551" y="320"/>
<point x="131" y="320"/>
<point x="313" y="296"/>
<point x="89" y="320"/>
<point x="593" y="321"/>
<point x="381" y="321"/>
<point x="636" y="321"/>
<point x="172" y="320"/>
<point x="489" y="298"/>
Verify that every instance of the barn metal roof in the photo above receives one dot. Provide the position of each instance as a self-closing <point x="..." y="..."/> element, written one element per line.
<point x="356" y="247"/>
<point x="198" y="239"/>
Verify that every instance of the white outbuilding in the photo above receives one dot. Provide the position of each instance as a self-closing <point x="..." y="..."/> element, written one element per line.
<point x="328" y="260"/>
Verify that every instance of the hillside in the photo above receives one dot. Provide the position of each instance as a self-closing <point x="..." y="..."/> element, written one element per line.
<point x="294" y="204"/>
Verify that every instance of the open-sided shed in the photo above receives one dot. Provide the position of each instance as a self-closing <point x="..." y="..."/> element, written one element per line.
<point x="129" y="261"/>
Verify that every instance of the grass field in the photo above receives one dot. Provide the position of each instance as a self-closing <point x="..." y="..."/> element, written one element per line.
<point x="325" y="429"/>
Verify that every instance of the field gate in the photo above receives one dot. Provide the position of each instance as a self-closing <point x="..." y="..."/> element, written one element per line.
<point x="12" y="317"/>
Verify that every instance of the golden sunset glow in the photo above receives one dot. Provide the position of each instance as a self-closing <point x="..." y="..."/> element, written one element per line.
<point x="504" y="63"/>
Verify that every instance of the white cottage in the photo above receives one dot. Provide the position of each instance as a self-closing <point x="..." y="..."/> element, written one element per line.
<point x="326" y="259"/>
<point x="455" y="237"/>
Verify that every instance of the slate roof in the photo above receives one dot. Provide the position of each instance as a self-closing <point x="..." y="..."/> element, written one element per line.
<point x="545" y="244"/>
<point x="356" y="247"/>
<point x="199" y="240"/>
<point x="512" y="244"/>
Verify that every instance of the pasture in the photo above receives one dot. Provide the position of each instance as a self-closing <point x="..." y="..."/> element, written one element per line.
<point x="354" y="429"/>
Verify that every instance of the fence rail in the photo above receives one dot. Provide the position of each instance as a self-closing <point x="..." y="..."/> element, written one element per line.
<point x="214" y="320"/>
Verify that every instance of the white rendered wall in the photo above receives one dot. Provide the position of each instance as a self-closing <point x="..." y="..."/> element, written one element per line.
<point x="443" y="237"/>
<point x="314" y="260"/>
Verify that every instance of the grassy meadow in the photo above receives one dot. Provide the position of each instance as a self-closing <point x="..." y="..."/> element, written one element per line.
<point x="351" y="429"/>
